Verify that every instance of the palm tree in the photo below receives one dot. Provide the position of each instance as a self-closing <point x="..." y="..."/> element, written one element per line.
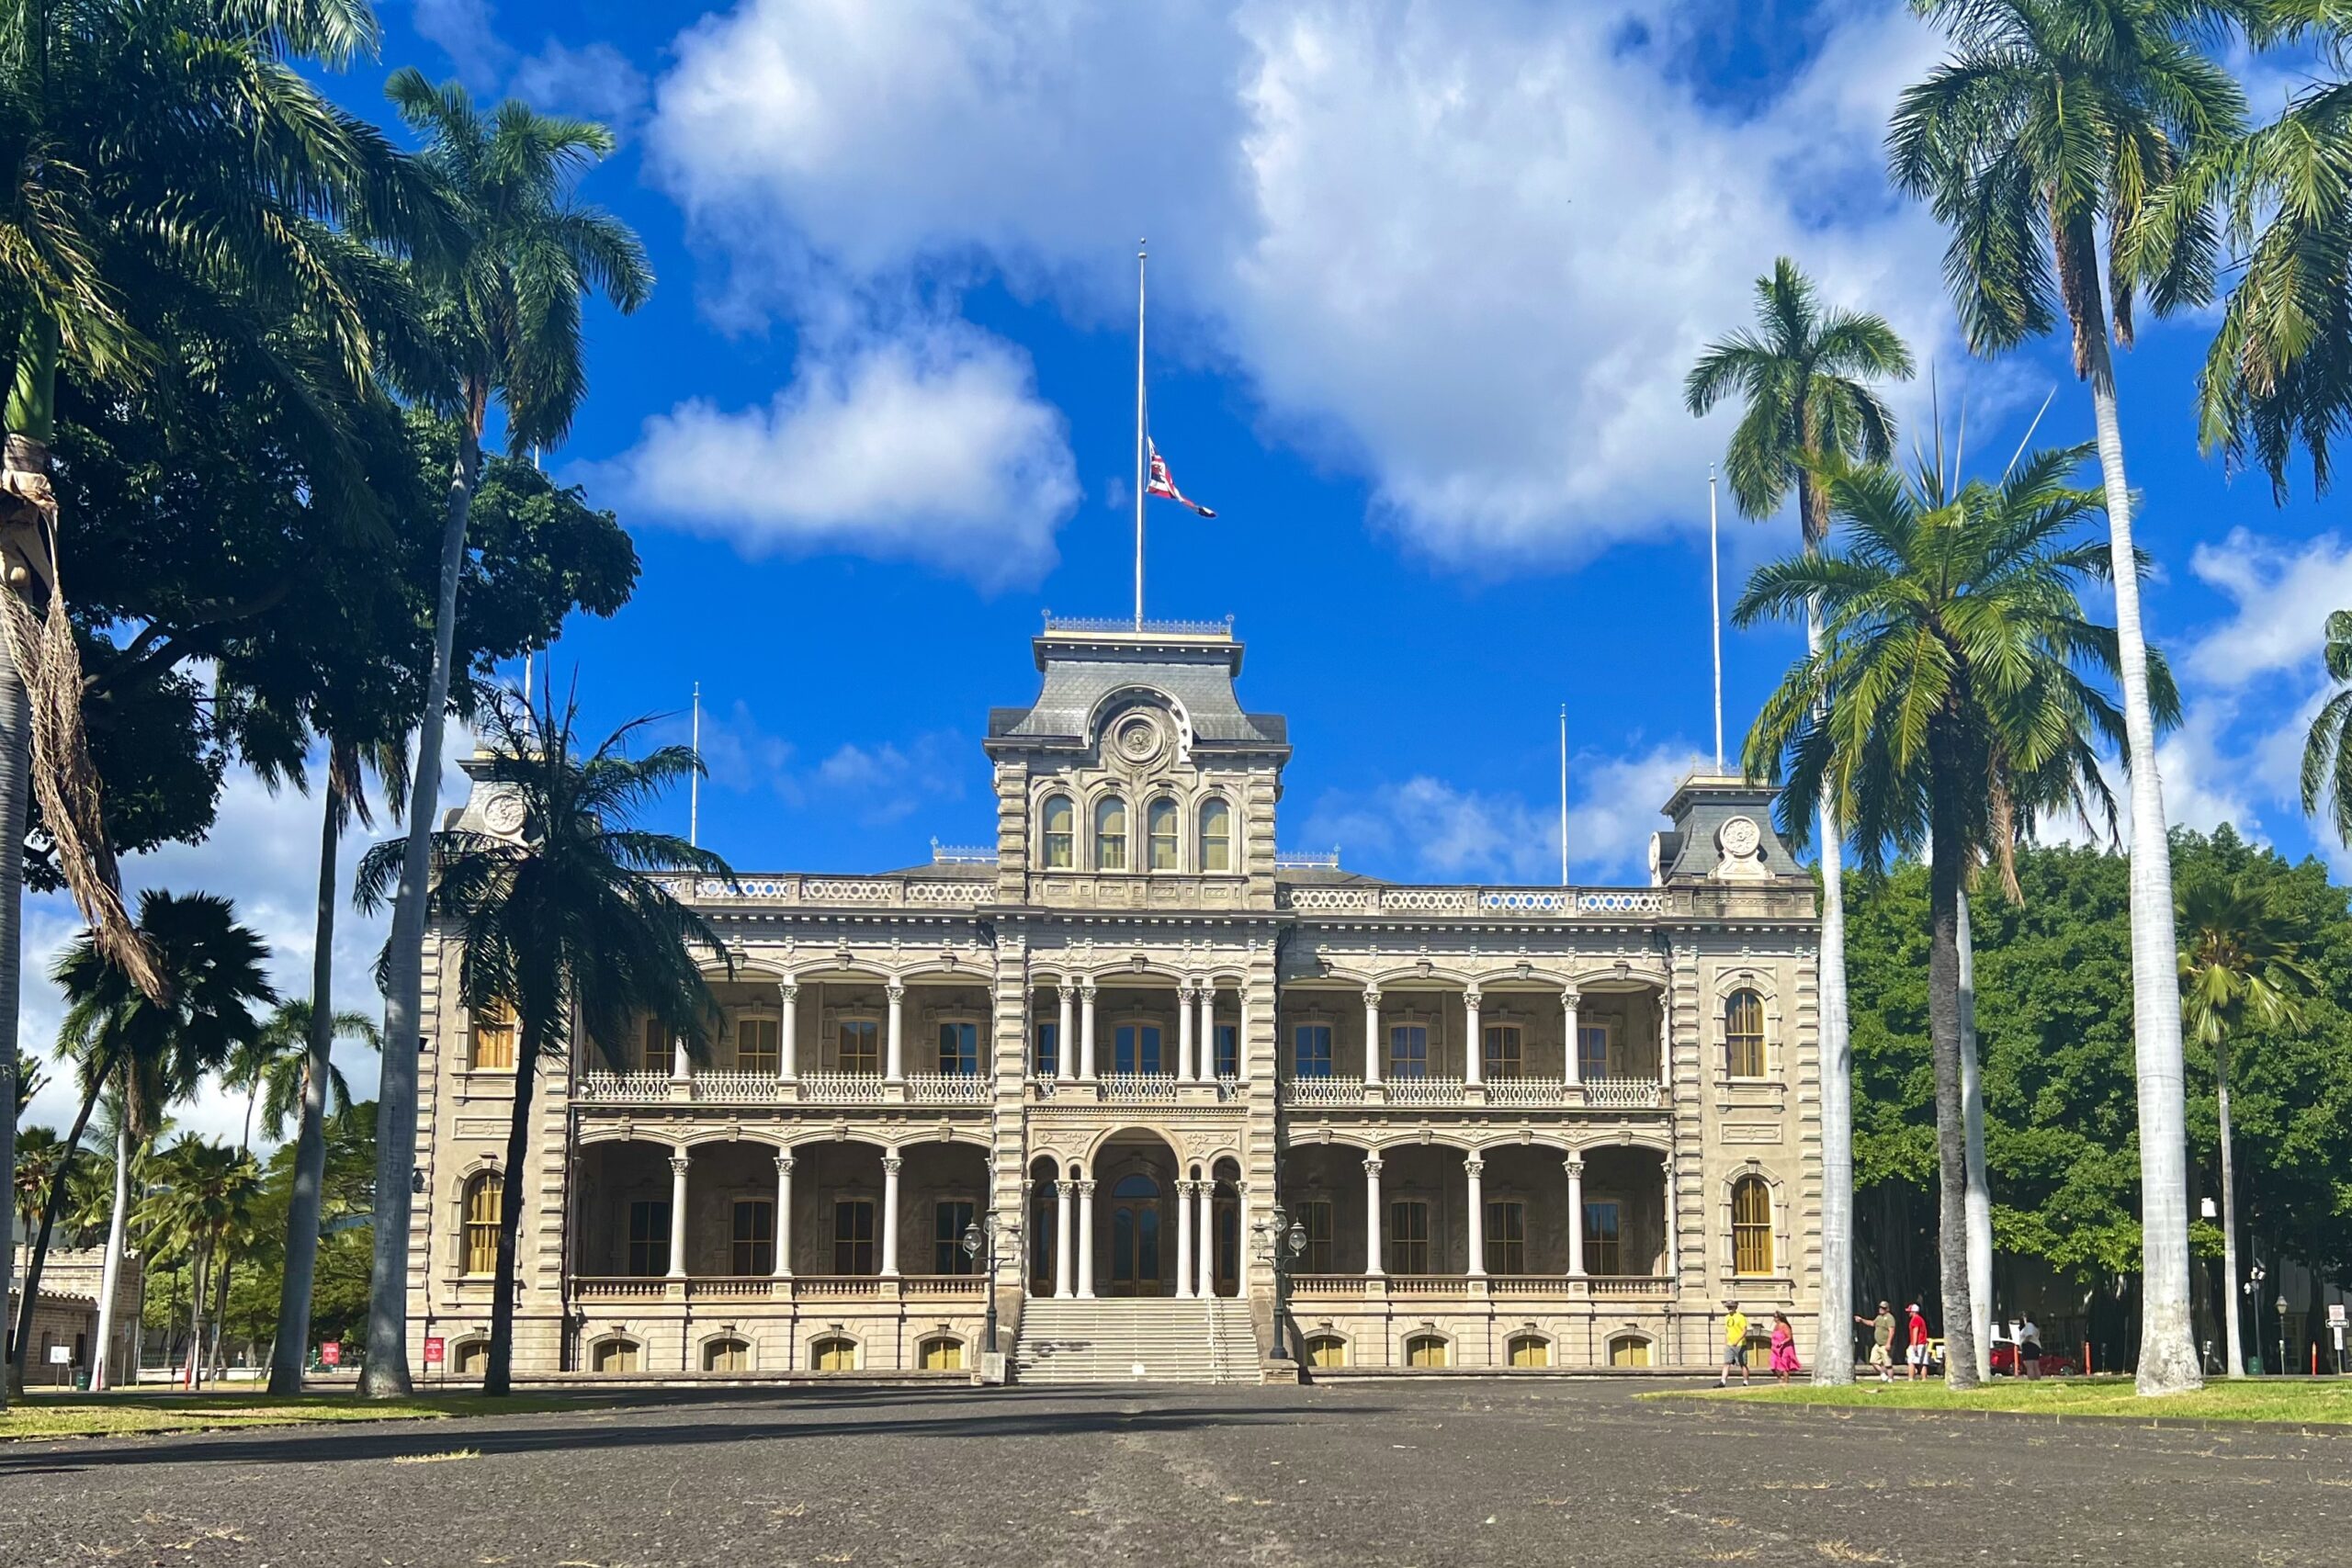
<point x="274" y="1071"/>
<point x="147" y="1052"/>
<point x="564" y="923"/>
<point x="2327" y="749"/>
<point x="1950" y="705"/>
<point x="2053" y="119"/>
<point x="201" y="1205"/>
<point x="2241" y="959"/>
<point x="507" y="306"/>
<point x="1806" y="376"/>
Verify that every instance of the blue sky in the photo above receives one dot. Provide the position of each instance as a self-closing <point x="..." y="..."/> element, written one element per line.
<point x="1426" y="280"/>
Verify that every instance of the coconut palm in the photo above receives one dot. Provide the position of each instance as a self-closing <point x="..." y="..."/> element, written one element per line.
<point x="1952" y="701"/>
<point x="507" y="306"/>
<point x="199" y="1207"/>
<point x="565" y="922"/>
<point x="274" y="1070"/>
<point x="2240" y="961"/>
<point x="2052" y="119"/>
<point x="2327" y="749"/>
<point x="149" y="1052"/>
<point x="1805" y="375"/>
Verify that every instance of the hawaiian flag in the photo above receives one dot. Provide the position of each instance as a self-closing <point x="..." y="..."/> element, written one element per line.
<point x="1161" y="484"/>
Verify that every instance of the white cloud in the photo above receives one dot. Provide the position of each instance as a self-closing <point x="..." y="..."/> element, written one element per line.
<point x="2283" y="593"/>
<point x="933" y="449"/>
<point x="875" y="784"/>
<point x="596" y="81"/>
<point x="462" y="29"/>
<point x="1465" y="250"/>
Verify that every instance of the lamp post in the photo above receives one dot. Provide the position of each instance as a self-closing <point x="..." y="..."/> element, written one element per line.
<point x="1279" y="1242"/>
<point x="2281" y="1304"/>
<point x="2253" y="1289"/>
<point x="982" y="1236"/>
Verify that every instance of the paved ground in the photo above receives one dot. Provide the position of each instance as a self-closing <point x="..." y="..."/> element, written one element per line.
<point x="1437" y="1473"/>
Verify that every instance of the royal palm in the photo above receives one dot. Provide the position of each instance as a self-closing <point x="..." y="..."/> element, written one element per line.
<point x="507" y="304"/>
<point x="1805" y="376"/>
<point x="1954" y="696"/>
<point x="2046" y="132"/>
<point x="565" y="923"/>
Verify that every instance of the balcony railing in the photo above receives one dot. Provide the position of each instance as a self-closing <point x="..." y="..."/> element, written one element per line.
<point x="1621" y="1094"/>
<point x="1517" y="1286"/>
<point x="1527" y="1091"/>
<point x="1323" y="1092"/>
<point x="841" y="1088"/>
<point x="623" y="1088"/>
<point x="739" y="1089"/>
<point x="1139" y="1088"/>
<point x="1426" y="1091"/>
<point x="838" y="892"/>
<point x="1587" y="903"/>
<point x="780" y="1288"/>
<point x="946" y="1088"/>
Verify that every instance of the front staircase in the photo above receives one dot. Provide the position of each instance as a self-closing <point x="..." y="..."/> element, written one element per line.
<point x="1148" y="1339"/>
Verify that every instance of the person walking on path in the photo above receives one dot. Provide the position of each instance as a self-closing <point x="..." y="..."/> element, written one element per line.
<point x="1918" y="1355"/>
<point x="1735" y="1343"/>
<point x="2028" y="1347"/>
<point x="1882" y="1329"/>
<point x="1784" y="1349"/>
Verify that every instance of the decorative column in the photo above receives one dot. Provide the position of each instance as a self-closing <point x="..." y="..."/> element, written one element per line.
<point x="1665" y="1056"/>
<point x="1065" y="1043"/>
<point x="678" y="1164"/>
<point x="1184" y="1239"/>
<point x="787" y="1041"/>
<point x="1085" y="1048"/>
<point x="1673" y="1237"/>
<point x="1184" y="1072"/>
<point x="1241" y="1049"/>
<point x="891" y="1166"/>
<point x="1475" y="1170"/>
<point x="1241" y="1272"/>
<point x="1372" y="1214"/>
<point x="1371" y="1038"/>
<point x="1207" y="1231"/>
<point x="1061" y="1234"/>
<point x="1474" y="1046"/>
<point x="1207" y="1035"/>
<point x="1576" y="1215"/>
<point x="1085" y="1239"/>
<point x="1575" y="1069"/>
<point x="894" y="1064"/>
<point x="783" y="1163"/>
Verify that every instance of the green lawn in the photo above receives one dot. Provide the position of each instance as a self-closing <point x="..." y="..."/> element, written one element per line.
<point x="2299" y="1400"/>
<point x="141" y="1414"/>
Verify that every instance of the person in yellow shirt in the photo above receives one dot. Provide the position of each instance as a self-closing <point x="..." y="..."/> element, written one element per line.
<point x="1735" y="1343"/>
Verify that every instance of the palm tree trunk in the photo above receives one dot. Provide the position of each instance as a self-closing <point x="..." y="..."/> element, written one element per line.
<point x="496" y="1377"/>
<point x="16" y="790"/>
<point x="1833" y="1350"/>
<point x="199" y="1277"/>
<point x="386" y="1373"/>
<point x="39" y="1259"/>
<point x="1980" y="1192"/>
<point x="2167" y="1339"/>
<point x="101" y="1359"/>
<point x="2233" y="1351"/>
<point x="292" y="1347"/>
<point x="1948" y="839"/>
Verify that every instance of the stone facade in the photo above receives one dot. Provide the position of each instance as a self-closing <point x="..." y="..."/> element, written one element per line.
<point x="1132" y="1022"/>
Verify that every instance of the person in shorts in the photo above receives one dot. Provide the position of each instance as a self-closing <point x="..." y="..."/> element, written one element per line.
<point x="1735" y="1343"/>
<point x="2028" y="1347"/>
<point x="1918" y="1354"/>
<point x="1882" y="1329"/>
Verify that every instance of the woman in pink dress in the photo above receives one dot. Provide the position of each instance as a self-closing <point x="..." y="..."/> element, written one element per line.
<point x="1784" y="1348"/>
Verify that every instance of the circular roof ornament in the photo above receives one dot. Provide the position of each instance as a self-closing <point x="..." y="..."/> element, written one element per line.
<point x="503" y="812"/>
<point x="1740" y="836"/>
<point x="1138" y="737"/>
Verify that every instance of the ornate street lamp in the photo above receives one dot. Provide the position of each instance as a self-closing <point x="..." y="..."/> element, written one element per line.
<point x="985" y="1235"/>
<point x="1279" y="1242"/>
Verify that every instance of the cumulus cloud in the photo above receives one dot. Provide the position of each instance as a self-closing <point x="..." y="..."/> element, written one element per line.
<point x="596" y="81"/>
<point x="876" y="783"/>
<point x="935" y="449"/>
<point x="1465" y="251"/>
<point x="2282" y="592"/>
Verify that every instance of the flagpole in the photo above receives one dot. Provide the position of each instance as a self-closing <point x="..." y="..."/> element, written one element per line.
<point x="1139" y="435"/>
<point x="1715" y="600"/>
<point x="1564" y="794"/>
<point x="694" y="780"/>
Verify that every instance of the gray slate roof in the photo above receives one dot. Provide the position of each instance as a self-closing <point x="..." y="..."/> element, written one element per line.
<point x="1198" y="678"/>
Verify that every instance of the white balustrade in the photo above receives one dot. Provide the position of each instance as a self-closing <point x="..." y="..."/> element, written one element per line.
<point x="841" y="1088"/>
<point x="946" y="1088"/>
<point x="623" y="1088"/>
<point x="739" y="1089"/>
<point x="1139" y="1088"/>
<point x="1323" y="1092"/>
<point x="1426" y="1091"/>
<point x="1527" y="1091"/>
<point x="1621" y="1094"/>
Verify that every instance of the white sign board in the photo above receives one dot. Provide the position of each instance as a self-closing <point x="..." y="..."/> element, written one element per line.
<point x="60" y="1355"/>
<point x="2335" y="1313"/>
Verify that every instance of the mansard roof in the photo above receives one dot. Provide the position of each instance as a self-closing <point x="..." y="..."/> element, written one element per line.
<point x="1088" y="664"/>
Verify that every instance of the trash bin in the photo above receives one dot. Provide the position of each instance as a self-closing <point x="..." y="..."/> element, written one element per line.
<point x="81" y="1379"/>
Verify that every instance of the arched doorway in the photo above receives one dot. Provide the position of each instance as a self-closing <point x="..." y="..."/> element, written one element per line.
<point x="1135" y="1218"/>
<point x="1138" y="1264"/>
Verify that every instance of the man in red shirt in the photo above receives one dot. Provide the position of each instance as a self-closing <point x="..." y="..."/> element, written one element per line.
<point x="1918" y="1354"/>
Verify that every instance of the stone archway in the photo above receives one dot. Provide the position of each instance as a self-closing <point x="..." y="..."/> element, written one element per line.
<point x="1134" y="1223"/>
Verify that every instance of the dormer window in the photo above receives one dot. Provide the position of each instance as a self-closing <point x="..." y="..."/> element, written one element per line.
<point x="1060" y="834"/>
<point x="1217" y="836"/>
<point x="1110" y="834"/>
<point x="1159" y="823"/>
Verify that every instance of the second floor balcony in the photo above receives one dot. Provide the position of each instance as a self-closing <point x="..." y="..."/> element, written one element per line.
<point x="1517" y="1093"/>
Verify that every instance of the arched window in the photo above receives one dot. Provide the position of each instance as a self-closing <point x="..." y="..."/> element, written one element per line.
<point x="942" y="1354"/>
<point x="1159" y="823"/>
<point x="1751" y="1226"/>
<point x="1061" y="833"/>
<point x="728" y="1354"/>
<point x="615" y="1356"/>
<point x="493" y="1044"/>
<point x="1110" y="834"/>
<point x="1529" y="1351"/>
<point x="1425" y="1350"/>
<point x="834" y="1355"/>
<point x="1217" y="836"/>
<point x="470" y="1359"/>
<point x="1629" y="1351"/>
<point x="485" y="1195"/>
<point x="1744" y="1034"/>
<point x="1327" y="1350"/>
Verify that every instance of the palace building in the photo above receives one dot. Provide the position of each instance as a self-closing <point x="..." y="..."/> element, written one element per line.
<point x="1504" y="1128"/>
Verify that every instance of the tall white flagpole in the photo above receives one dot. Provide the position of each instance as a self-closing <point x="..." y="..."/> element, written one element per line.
<point x="1139" y="435"/>
<point x="694" y="780"/>
<point x="1715" y="600"/>
<point x="1564" y="794"/>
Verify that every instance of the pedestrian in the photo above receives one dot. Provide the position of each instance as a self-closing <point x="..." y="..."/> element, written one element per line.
<point x="1784" y="1348"/>
<point x="2028" y="1347"/>
<point x="1882" y="1329"/>
<point x="1735" y="1343"/>
<point x="1918" y="1354"/>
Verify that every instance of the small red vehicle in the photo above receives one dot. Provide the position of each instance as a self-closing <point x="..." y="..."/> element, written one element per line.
<point x="2051" y="1364"/>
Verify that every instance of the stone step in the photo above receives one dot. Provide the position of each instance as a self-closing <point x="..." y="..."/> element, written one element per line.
<point x="1068" y="1340"/>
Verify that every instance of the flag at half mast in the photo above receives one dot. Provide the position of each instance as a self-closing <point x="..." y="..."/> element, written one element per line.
<point x="1161" y="484"/>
